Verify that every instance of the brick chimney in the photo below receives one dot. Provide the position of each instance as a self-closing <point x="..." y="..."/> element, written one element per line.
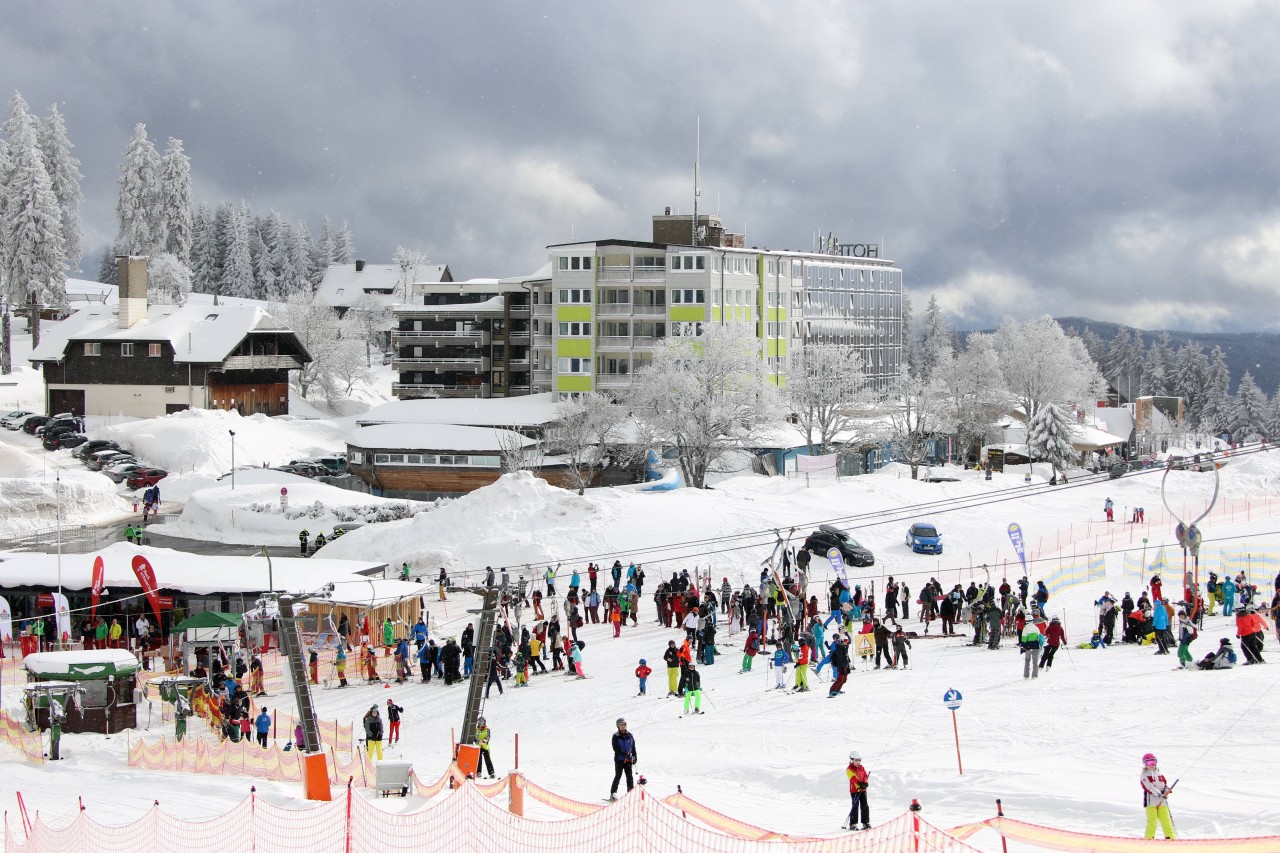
<point x="132" y="275"/>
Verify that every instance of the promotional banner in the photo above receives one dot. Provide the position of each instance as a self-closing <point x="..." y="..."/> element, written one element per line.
<point x="837" y="563"/>
<point x="1015" y="536"/>
<point x="62" y="617"/>
<point x="147" y="579"/>
<point x="99" y="581"/>
<point x="6" y="621"/>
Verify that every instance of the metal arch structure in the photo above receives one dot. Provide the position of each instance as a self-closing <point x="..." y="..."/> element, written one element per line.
<point x="1189" y="535"/>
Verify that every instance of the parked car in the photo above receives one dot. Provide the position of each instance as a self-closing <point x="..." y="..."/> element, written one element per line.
<point x="14" y="419"/>
<point x="146" y="477"/>
<point x="58" y="423"/>
<point x="924" y="538"/>
<point x="102" y="458"/>
<point x="121" y="471"/>
<point x="93" y="447"/>
<point x="30" y="424"/>
<point x="827" y="537"/>
<point x="310" y="469"/>
<point x="62" y="440"/>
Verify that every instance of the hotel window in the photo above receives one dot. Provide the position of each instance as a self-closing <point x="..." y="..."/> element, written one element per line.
<point x="126" y="350"/>
<point x="688" y="297"/>
<point x="575" y="330"/>
<point x="574" y="296"/>
<point x="575" y="262"/>
<point x="574" y="365"/>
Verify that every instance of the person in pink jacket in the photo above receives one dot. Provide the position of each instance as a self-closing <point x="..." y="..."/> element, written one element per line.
<point x="1155" y="797"/>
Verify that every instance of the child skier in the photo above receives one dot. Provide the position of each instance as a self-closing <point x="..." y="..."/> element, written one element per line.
<point x="1155" y="797"/>
<point x="780" y="661"/>
<point x="858" y="778"/>
<point x="749" y="650"/>
<point x="1186" y="636"/>
<point x="642" y="673"/>
<point x="575" y="657"/>
<point x="900" y="646"/>
<point x="692" y="689"/>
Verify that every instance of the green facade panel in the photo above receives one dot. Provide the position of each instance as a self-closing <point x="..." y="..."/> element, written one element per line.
<point x="573" y="383"/>
<point x="573" y="347"/>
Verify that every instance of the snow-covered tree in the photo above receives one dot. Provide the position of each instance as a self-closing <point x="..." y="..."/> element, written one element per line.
<point x="168" y="280"/>
<point x="936" y="342"/>
<point x="335" y="347"/>
<point x="1124" y="363"/>
<point x="910" y="339"/>
<point x="138" y="207"/>
<point x="237" y="274"/>
<point x="976" y="396"/>
<point x="300" y="277"/>
<point x="826" y="390"/>
<point x="33" y="261"/>
<point x="64" y="175"/>
<point x="344" y="246"/>
<point x="372" y="321"/>
<point x="1250" y="416"/>
<point x="586" y="428"/>
<point x="705" y="396"/>
<point x="1190" y="374"/>
<point x="1095" y="347"/>
<point x="1216" y="413"/>
<point x="175" y="197"/>
<point x="1049" y="437"/>
<point x="915" y="413"/>
<point x="1040" y="365"/>
<point x="108" y="272"/>
<point x="204" y="251"/>
<point x="409" y="260"/>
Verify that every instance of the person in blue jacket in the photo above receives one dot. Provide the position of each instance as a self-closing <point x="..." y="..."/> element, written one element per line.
<point x="420" y="633"/>
<point x="1228" y="596"/>
<point x="1160" y="624"/>
<point x="780" y="661"/>
<point x="263" y="726"/>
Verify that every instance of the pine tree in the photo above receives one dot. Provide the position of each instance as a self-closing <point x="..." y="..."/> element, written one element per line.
<point x="1049" y="437"/>
<point x="1155" y="380"/>
<point x="223" y="230"/>
<point x="325" y="244"/>
<point x="1216" y="413"/>
<point x="344" y="245"/>
<point x="1190" y="374"/>
<point x="108" y="272"/>
<point x="34" y="262"/>
<point x="264" y="279"/>
<point x="139" y="203"/>
<point x="175" y="194"/>
<point x="204" y="251"/>
<point x="936" y="344"/>
<point x="1250" y="415"/>
<point x="300" y="251"/>
<point x="6" y="344"/>
<point x="64" y="175"/>
<point x="237" y="274"/>
<point x="910" y="343"/>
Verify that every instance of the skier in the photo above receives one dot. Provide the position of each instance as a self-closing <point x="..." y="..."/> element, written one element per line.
<point x="1186" y="636"/>
<point x="692" y="689"/>
<point x="1156" y="586"/>
<point x="1031" y="640"/>
<point x="749" y="650"/>
<point x="1155" y="798"/>
<point x="839" y="665"/>
<point x="642" y="674"/>
<point x="779" y="664"/>
<point x="482" y="740"/>
<point x="672" y="658"/>
<point x="340" y="666"/>
<point x="1053" y="637"/>
<point x="624" y="757"/>
<point x="900" y="646"/>
<point x="263" y="726"/>
<point x="858" y="778"/>
<point x="373" y="733"/>
<point x="550" y="577"/>
<point x="393" y="722"/>
<point x="1108" y="508"/>
<point x="575" y="659"/>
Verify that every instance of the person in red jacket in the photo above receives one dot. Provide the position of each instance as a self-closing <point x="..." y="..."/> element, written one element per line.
<point x="1054" y="636"/>
<point x="1156" y="594"/>
<point x="802" y="668"/>
<point x="1251" y="629"/>
<point x="858" y="777"/>
<point x="749" y="650"/>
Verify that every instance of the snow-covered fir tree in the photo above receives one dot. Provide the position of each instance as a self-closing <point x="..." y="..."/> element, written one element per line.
<point x="1190" y="371"/>
<point x="304" y="276"/>
<point x="1250" y="414"/>
<point x="1049" y="437"/>
<point x="910" y="339"/>
<point x="175" y="194"/>
<point x="1216" y="413"/>
<point x="344" y="245"/>
<point x="138" y="205"/>
<point x="915" y="416"/>
<point x="64" y="175"/>
<point x="237" y="274"/>
<point x="33" y="260"/>
<point x="204" y="251"/>
<point x="976" y="396"/>
<point x="936" y="343"/>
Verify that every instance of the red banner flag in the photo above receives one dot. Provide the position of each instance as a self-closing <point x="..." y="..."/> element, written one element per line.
<point x="99" y="581"/>
<point x="147" y="578"/>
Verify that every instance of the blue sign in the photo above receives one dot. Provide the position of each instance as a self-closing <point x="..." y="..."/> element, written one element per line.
<point x="952" y="699"/>
<point x="837" y="563"/>
<point x="1015" y="536"/>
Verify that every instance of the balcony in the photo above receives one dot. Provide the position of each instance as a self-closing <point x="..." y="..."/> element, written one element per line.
<point x="542" y="340"/>
<point x="645" y="342"/>
<point x="412" y="390"/>
<point x="262" y="362"/>
<point x="542" y="376"/>
<point x="629" y="273"/>
<point x="477" y="363"/>
<point x="613" y="342"/>
<point x="613" y="309"/>
<point x="542" y="310"/>
<point x="613" y="380"/>
<point x="402" y="338"/>
<point x="649" y="310"/>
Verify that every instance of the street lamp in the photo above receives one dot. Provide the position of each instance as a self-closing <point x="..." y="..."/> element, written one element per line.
<point x="233" y="458"/>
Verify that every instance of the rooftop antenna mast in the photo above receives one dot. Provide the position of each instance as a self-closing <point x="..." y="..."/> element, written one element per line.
<point x="697" y="156"/>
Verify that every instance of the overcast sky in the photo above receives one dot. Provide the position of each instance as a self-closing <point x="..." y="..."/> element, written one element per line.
<point x="1112" y="160"/>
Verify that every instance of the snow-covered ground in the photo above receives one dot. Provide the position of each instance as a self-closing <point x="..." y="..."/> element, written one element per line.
<point x="1062" y="750"/>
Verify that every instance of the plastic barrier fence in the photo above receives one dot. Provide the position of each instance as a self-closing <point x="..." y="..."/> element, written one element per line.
<point x="239" y="759"/>
<point x="16" y="735"/>
<point x="1049" y="838"/>
<point x="1077" y="572"/>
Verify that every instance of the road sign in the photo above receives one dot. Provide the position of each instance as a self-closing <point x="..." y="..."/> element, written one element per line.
<point x="952" y="699"/>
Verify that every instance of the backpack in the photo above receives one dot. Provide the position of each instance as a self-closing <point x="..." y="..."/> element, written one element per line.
<point x="1194" y="634"/>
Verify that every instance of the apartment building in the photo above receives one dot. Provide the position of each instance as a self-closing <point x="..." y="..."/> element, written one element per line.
<point x="607" y="304"/>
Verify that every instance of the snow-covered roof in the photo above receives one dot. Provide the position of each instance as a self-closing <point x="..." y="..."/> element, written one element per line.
<point x="1091" y="438"/>
<point x="199" y="334"/>
<point x="431" y="437"/>
<point x="342" y="286"/>
<point x="201" y="574"/>
<point x="61" y="663"/>
<point x="542" y="273"/>
<point x="529" y="410"/>
<point x="491" y="304"/>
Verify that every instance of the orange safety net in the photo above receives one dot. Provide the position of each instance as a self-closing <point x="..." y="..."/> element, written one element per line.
<point x="1050" y="838"/>
<point x="237" y="759"/>
<point x="560" y="803"/>
<point x="30" y="744"/>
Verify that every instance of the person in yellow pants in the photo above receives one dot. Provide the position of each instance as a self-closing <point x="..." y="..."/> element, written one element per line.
<point x="1155" y="797"/>
<point x="672" y="658"/>
<point x="373" y="731"/>
<point x="802" y="668"/>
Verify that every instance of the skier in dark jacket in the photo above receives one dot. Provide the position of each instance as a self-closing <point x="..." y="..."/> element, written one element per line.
<point x="839" y="665"/>
<point x="450" y="656"/>
<point x="624" y="757"/>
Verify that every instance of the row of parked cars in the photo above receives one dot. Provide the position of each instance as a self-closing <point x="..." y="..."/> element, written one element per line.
<point x="57" y="432"/>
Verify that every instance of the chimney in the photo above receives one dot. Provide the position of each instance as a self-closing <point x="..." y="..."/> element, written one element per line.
<point x="667" y="211"/>
<point x="359" y="265"/>
<point x="132" y="274"/>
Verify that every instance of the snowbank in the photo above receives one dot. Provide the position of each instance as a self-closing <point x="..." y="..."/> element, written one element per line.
<point x="31" y="503"/>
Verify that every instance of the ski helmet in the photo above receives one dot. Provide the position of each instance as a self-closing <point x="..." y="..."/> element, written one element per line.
<point x="643" y="661"/>
<point x="620" y="722"/>
<point x="1148" y="759"/>
<point x="855" y="756"/>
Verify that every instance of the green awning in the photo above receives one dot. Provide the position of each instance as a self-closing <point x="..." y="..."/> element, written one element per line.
<point x="210" y="619"/>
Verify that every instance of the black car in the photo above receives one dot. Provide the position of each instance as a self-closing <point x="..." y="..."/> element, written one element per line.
<point x="827" y="537"/>
<point x="30" y="424"/>
<point x="62" y="438"/>
<point x="54" y="424"/>
<point x="93" y="447"/>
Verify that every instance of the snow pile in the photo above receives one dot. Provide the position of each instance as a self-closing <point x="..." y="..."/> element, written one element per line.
<point x="198" y="441"/>
<point x="15" y="462"/>
<point x="31" y="503"/>
<point x="251" y="513"/>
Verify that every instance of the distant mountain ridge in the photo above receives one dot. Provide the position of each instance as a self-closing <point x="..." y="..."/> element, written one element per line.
<point x="1256" y="352"/>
